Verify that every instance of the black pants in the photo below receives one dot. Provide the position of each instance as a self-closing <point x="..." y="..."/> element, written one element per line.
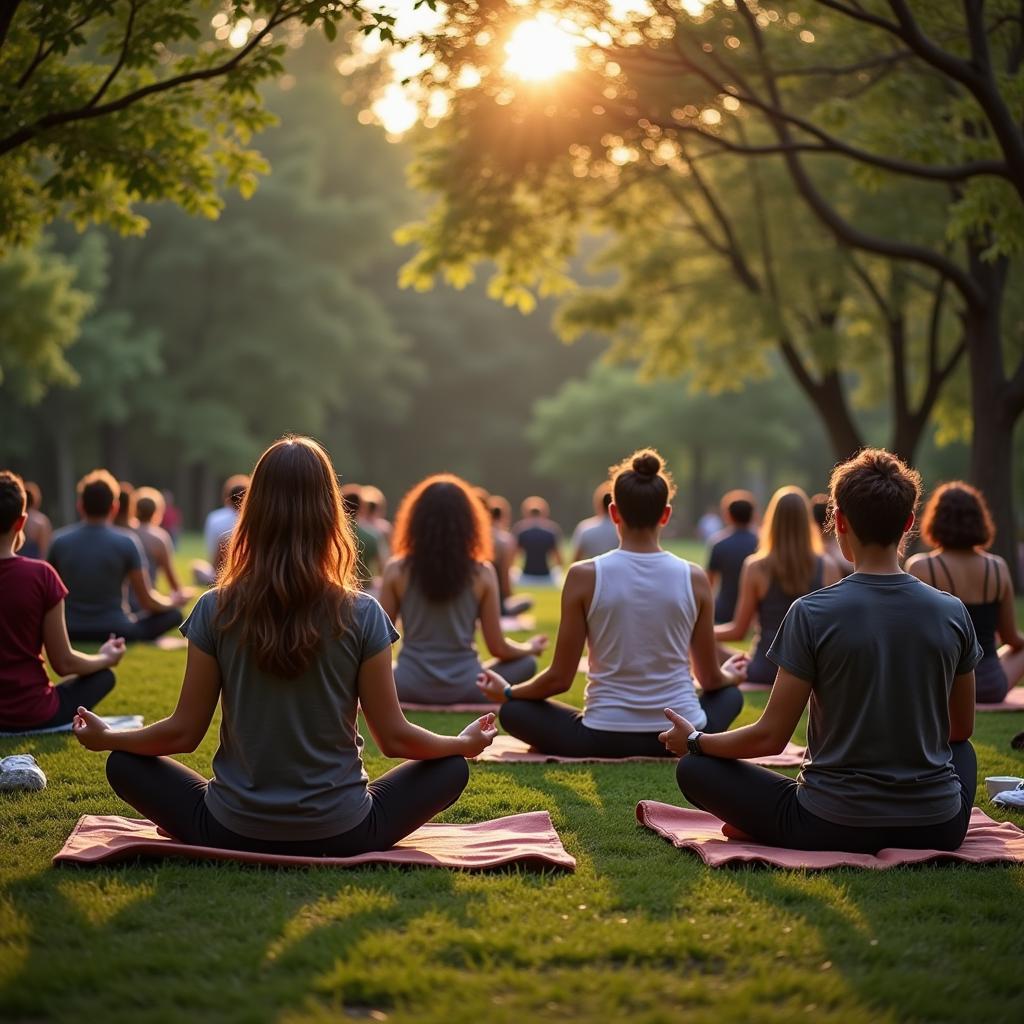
<point x="764" y="805"/>
<point x="556" y="728"/>
<point x="516" y="604"/>
<point x="82" y="691"/>
<point x="134" y="627"/>
<point x="173" y="797"/>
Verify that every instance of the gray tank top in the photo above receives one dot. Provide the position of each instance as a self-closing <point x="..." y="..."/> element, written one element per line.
<point x="438" y="649"/>
<point x="770" y="613"/>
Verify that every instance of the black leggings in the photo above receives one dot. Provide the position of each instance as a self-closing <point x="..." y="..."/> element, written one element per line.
<point x="174" y="797"/>
<point x="555" y="728"/>
<point x="764" y="805"/>
<point x="82" y="691"/>
<point x="144" y="626"/>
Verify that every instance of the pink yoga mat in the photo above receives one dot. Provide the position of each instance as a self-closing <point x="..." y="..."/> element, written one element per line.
<point x="508" y="750"/>
<point x="472" y="709"/>
<point x="987" y="842"/>
<point x="1014" y="702"/>
<point x="529" y="840"/>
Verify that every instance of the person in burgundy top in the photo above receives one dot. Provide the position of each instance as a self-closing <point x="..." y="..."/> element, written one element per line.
<point x="31" y="619"/>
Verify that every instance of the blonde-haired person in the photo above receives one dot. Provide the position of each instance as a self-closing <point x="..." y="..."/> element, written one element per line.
<point x="290" y="649"/>
<point x="442" y="584"/>
<point x="958" y="526"/>
<point x="643" y="614"/>
<point x="789" y="563"/>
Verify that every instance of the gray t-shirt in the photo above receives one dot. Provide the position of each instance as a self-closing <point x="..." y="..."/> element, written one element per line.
<point x="289" y="765"/>
<point x="93" y="560"/>
<point x="595" y="536"/>
<point x="881" y="654"/>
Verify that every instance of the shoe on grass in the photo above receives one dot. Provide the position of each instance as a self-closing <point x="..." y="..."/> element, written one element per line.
<point x="21" y="771"/>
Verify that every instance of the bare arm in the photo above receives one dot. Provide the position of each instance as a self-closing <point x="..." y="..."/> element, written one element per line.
<point x="181" y="733"/>
<point x="149" y="599"/>
<point x="768" y="735"/>
<point x="746" y="605"/>
<point x="490" y="620"/>
<point x="395" y="734"/>
<point x="961" y="708"/>
<point x="64" y="659"/>
<point x="166" y="562"/>
<point x="1007" y="627"/>
<point x="577" y="594"/>
<point x="703" y="646"/>
<point x="390" y="598"/>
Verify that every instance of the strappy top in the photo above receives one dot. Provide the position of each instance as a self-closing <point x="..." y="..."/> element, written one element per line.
<point x="984" y="615"/>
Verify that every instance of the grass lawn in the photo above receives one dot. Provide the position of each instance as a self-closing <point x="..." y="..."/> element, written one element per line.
<point x="641" y="931"/>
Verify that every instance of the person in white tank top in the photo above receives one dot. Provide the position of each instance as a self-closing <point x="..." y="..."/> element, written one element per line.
<point x="643" y="614"/>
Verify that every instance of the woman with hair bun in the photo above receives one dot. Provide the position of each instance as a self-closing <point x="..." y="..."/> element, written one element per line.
<point x="958" y="526"/>
<point x="643" y="614"/>
<point x="442" y="583"/>
<point x="789" y="563"/>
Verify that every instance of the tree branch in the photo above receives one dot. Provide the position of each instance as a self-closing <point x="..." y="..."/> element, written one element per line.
<point x="133" y="8"/>
<point x="27" y="133"/>
<point x="826" y="213"/>
<point x="7" y="11"/>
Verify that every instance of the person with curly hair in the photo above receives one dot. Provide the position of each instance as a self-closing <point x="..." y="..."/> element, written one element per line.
<point x="643" y="614"/>
<point x="441" y="582"/>
<point x="958" y="526"/>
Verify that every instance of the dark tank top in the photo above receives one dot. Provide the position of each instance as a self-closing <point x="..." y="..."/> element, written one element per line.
<point x="984" y="615"/>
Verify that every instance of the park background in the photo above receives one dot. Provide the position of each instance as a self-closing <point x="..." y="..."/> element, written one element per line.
<point x="170" y="303"/>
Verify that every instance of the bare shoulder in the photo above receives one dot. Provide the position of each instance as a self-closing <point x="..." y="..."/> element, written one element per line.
<point x="580" y="579"/>
<point x="1003" y="570"/>
<point x="394" y="569"/>
<point x="915" y="563"/>
<point x="699" y="580"/>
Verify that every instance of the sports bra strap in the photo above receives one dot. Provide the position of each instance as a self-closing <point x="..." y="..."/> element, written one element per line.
<point x="949" y="575"/>
<point x="931" y="570"/>
<point x="999" y="582"/>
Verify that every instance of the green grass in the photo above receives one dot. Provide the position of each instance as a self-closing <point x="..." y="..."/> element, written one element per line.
<point x="641" y="931"/>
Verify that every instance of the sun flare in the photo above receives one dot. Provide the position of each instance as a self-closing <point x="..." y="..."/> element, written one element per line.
<point x="540" y="49"/>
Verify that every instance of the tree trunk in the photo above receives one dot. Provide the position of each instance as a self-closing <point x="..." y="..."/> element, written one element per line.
<point x="992" y="436"/>
<point x="698" y="482"/>
<point x="830" y="402"/>
<point x="907" y="431"/>
<point x="64" y="465"/>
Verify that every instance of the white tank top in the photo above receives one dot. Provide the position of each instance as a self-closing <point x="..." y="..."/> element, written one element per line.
<point x="639" y="627"/>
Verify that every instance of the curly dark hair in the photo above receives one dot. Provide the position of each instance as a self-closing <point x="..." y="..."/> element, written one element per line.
<point x="957" y="518"/>
<point x="442" y="530"/>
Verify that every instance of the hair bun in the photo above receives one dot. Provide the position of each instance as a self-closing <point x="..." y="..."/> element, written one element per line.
<point x="646" y="464"/>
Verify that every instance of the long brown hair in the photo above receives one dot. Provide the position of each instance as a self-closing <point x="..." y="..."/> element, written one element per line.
<point x="289" y="575"/>
<point x="442" y="531"/>
<point x="790" y="543"/>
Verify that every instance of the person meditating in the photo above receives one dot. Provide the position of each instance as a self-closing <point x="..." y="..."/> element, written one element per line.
<point x="441" y="583"/>
<point x="96" y="559"/>
<point x="788" y="563"/>
<point x="958" y="525"/>
<point x="729" y="549"/>
<point x="887" y="663"/>
<point x="643" y="613"/>
<point x="290" y="648"/>
<point x="31" y="620"/>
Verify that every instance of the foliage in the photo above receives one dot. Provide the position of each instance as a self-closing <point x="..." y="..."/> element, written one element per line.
<point x="108" y="103"/>
<point x="41" y="310"/>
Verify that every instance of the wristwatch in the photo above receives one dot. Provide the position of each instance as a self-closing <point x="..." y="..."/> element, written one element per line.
<point x="693" y="742"/>
<point x="508" y="691"/>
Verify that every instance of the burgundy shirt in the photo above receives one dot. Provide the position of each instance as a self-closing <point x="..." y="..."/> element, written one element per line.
<point x="28" y="590"/>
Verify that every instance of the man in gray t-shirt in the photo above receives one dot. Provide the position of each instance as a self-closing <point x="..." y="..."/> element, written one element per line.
<point x="881" y="653"/>
<point x="97" y="561"/>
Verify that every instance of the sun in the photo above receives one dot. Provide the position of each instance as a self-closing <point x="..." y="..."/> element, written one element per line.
<point x="540" y="49"/>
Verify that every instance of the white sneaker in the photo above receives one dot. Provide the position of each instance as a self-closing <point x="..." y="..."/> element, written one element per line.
<point x="20" y="771"/>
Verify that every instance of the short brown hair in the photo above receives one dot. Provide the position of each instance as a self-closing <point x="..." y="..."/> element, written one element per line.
<point x="98" y="492"/>
<point x="642" y="487"/>
<point x="957" y="517"/>
<point x="148" y="502"/>
<point x="877" y="492"/>
<point x="12" y="499"/>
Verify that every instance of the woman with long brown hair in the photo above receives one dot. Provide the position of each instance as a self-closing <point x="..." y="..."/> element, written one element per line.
<point x="958" y="526"/>
<point x="289" y="647"/>
<point x="441" y="583"/>
<point x="789" y="562"/>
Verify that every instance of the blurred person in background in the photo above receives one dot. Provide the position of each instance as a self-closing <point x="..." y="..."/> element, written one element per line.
<point x="38" y="529"/>
<point x="729" y="549"/>
<point x="539" y="539"/>
<point x="217" y="529"/>
<point x="596" y="534"/>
